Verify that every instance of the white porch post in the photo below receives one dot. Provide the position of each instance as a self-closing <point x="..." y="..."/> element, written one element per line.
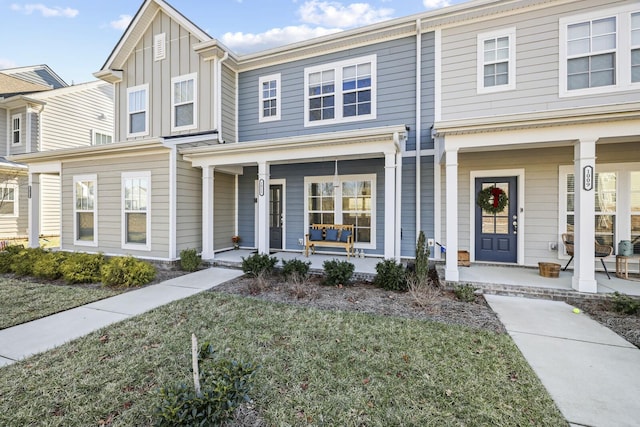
<point x="263" y="207"/>
<point x="389" y="205"/>
<point x="207" y="212"/>
<point x="584" y="260"/>
<point x="451" y="269"/>
<point x="398" y="206"/>
<point x="34" y="210"/>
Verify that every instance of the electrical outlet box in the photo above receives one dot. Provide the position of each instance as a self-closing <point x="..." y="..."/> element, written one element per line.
<point x="553" y="246"/>
<point x="431" y="242"/>
<point x="300" y="242"/>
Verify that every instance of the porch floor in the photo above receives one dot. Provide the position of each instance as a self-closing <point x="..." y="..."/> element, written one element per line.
<point x="503" y="279"/>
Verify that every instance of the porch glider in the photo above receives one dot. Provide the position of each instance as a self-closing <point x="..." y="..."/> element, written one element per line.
<point x="601" y="251"/>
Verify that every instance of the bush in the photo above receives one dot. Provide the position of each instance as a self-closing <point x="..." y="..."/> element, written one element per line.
<point x="259" y="265"/>
<point x="391" y="276"/>
<point x="224" y="386"/>
<point x="82" y="268"/>
<point x="422" y="258"/>
<point x="127" y="271"/>
<point x="338" y="272"/>
<point x="466" y="292"/>
<point x="625" y="304"/>
<point x="48" y="266"/>
<point x="22" y="262"/>
<point x="6" y="258"/>
<point x="189" y="260"/>
<point x="295" y="267"/>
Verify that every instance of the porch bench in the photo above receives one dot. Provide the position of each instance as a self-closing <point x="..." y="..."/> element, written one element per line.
<point x="334" y="235"/>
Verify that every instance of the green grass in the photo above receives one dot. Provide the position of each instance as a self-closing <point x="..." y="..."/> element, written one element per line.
<point x="22" y="301"/>
<point x="316" y="368"/>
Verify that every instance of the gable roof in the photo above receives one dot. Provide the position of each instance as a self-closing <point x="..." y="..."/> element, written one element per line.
<point x="10" y="86"/>
<point x="38" y="74"/>
<point x="139" y="24"/>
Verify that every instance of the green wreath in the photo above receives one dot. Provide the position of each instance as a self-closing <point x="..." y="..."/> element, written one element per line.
<point x="492" y="199"/>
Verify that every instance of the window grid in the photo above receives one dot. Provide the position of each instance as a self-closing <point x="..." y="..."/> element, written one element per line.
<point x="356" y="90"/>
<point x="635" y="47"/>
<point x="269" y="98"/>
<point x="15" y="129"/>
<point x="137" y="111"/>
<point x="591" y="53"/>
<point x="8" y="200"/>
<point x="184" y="102"/>
<point x="101" y="138"/>
<point x="85" y="198"/>
<point x="496" y="61"/>
<point x="322" y="95"/>
<point x="135" y="210"/>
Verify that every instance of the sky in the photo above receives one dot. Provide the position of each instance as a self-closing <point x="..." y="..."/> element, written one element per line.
<point x="75" y="37"/>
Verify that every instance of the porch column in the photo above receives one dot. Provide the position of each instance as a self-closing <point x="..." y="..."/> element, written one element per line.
<point x="263" y="207"/>
<point x="584" y="222"/>
<point x="389" y="206"/>
<point x="33" y="193"/>
<point x="207" y="212"/>
<point x="451" y="273"/>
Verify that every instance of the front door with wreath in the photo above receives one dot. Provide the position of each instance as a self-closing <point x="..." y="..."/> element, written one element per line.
<point x="496" y="219"/>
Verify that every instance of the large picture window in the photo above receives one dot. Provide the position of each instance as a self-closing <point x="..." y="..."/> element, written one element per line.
<point x="85" y="208"/>
<point x="8" y="200"/>
<point x="137" y="111"/>
<point x="184" y="102"/>
<point x="136" y="195"/>
<point x="349" y="199"/>
<point x="340" y="92"/>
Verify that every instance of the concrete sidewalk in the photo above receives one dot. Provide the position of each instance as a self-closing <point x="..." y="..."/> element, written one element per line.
<point x="591" y="373"/>
<point x="48" y="332"/>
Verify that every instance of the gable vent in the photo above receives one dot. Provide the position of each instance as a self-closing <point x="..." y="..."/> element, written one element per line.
<point x="159" y="51"/>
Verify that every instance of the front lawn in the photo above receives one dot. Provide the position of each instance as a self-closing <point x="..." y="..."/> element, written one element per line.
<point x="316" y="368"/>
<point x="23" y="300"/>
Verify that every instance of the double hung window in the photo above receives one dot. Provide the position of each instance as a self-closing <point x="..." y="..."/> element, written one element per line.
<point x="184" y="102"/>
<point x="137" y="111"/>
<point x="496" y="60"/>
<point x="85" y="208"/>
<point x="269" y="87"/>
<point x="135" y="210"/>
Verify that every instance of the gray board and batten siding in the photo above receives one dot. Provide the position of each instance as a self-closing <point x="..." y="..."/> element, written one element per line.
<point x="537" y="66"/>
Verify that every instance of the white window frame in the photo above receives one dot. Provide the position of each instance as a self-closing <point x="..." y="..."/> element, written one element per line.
<point x="632" y="45"/>
<point x="17" y="117"/>
<point x="136" y="246"/>
<point x="510" y="33"/>
<point x="338" y="68"/>
<point x="95" y="134"/>
<point x="622" y="51"/>
<point x="159" y="47"/>
<point x="15" y="201"/>
<point x="130" y="90"/>
<point x="261" y="98"/>
<point x="338" y="211"/>
<point x="85" y="178"/>
<point x="180" y="79"/>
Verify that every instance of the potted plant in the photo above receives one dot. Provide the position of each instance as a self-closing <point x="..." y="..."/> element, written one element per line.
<point x="236" y="242"/>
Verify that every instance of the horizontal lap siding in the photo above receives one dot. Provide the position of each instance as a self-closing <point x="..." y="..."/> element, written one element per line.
<point x="224" y="210"/>
<point x="537" y="66"/>
<point x="189" y="207"/>
<point x="408" y="203"/>
<point x="11" y="226"/>
<point x="110" y="203"/>
<point x="247" y="206"/>
<point x="50" y="205"/>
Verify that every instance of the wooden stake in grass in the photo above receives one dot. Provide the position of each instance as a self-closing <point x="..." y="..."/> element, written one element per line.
<point x="194" y="361"/>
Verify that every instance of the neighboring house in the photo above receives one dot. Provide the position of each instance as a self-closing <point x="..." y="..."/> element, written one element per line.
<point x="40" y="113"/>
<point x="340" y="129"/>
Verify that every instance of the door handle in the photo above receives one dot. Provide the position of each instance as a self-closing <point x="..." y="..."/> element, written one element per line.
<point x="515" y="224"/>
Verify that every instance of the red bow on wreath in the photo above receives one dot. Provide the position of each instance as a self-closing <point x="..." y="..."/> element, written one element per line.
<point x="496" y="193"/>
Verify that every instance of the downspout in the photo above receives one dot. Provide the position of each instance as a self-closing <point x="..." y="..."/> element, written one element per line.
<point x="418" y="124"/>
<point x="218" y="100"/>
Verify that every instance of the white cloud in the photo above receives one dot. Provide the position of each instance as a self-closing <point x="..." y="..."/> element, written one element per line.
<point x="435" y="4"/>
<point x="121" y="23"/>
<point x="333" y="13"/>
<point x="248" y="42"/>
<point x="7" y="63"/>
<point x="47" y="12"/>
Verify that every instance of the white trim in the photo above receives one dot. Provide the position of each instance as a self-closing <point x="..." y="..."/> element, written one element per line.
<point x="338" y="202"/>
<point x="437" y="68"/>
<point x="27" y="125"/>
<point x="418" y="134"/>
<point x="13" y="130"/>
<point x="510" y="33"/>
<point x="283" y="200"/>
<point x="15" y="201"/>
<point x="278" y="97"/>
<point x="179" y="79"/>
<point x="173" y="201"/>
<point x="337" y="68"/>
<point x="520" y="236"/>
<point x="95" y="133"/>
<point x="140" y="88"/>
<point x="136" y="246"/>
<point x="93" y="178"/>
<point x="159" y="46"/>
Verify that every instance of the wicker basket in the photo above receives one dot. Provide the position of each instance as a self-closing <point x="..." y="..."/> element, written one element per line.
<point x="549" y="269"/>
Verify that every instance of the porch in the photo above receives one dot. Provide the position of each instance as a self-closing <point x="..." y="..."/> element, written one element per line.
<point x="491" y="278"/>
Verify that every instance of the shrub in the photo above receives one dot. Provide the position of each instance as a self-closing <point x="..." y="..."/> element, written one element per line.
<point x="466" y="292"/>
<point x="6" y="257"/>
<point x="48" y="266"/>
<point x="80" y="267"/>
<point x="337" y="272"/>
<point x="189" y="260"/>
<point x="625" y="304"/>
<point x="224" y="385"/>
<point x="295" y="266"/>
<point x="127" y="271"/>
<point x="22" y="262"/>
<point x="259" y="264"/>
<point x="422" y="257"/>
<point x="391" y="276"/>
<point x="423" y="292"/>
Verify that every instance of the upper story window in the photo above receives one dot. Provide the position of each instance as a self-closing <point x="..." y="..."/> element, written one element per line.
<point x="15" y="129"/>
<point x="497" y="60"/>
<point x="99" y="138"/>
<point x="600" y="52"/>
<point x="137" y="110"/>
<point x="9" y="200"/>
<point x="184" y="102"/>
<point x="269" y="87"/>
<point x="340" y="92"/>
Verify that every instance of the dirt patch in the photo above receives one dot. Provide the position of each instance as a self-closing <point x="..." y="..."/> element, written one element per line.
<point x="625" y="325"/>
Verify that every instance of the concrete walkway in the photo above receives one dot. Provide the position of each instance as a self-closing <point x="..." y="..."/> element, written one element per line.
<point x="591" y="373"/>
<point x="48" y="332"/>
